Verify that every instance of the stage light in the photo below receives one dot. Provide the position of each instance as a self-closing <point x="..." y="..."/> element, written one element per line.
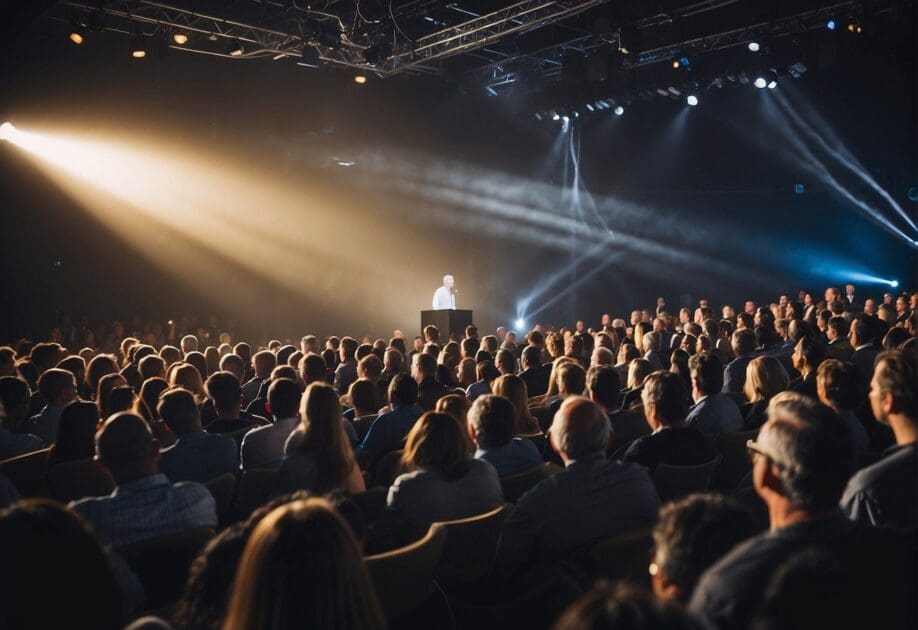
<point x="894" y="284"/>
<point x="619" y="110"/>
<point x="676" y="64"/>
<point x="760" y="82"/>
<point x="589" y="107"/>
<point x="235" y="48"/>
<point x="754" y="47"/>
<point x="831" y="24"/>
<point x="309" y="57"/>
<point x="556" y="116"/>
<point x="772" y="84"/>
<point x="360" y="79"/>
<point x="855" y="27"/>
<point x="138" y="47"/>
<point x="520" y="324"/>
<point x="180" y="38"/>
<point x="7" y="131"/>
<point x="76" y="34"/>
<point x="692" y="100"/>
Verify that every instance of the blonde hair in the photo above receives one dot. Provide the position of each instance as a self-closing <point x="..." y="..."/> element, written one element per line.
<point x="187" y="377"/>
<point x="765" y="377"/>
<point x="513" y="388"/>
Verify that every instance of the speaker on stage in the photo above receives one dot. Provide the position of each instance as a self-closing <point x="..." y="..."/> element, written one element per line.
<point x="447" y="321"/>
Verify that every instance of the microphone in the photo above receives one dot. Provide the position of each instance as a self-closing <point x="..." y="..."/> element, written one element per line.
<point x="454" y="290"/>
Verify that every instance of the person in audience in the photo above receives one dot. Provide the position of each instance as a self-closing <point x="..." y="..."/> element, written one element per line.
<point x="838" y="346"/>
<point x="591" y="498"/>
<point x="14" y="437"/>
<point x="838" y="386"/>
<point x="196" y="455"/>
<point x="803" y="457"/>
<point x="571" y="378"/>
<point x="691" y="535"/>
<point x="364" y="396"/>
<point x="233" y="364"/>
<point x="490" y="426"/>
<point x="108" y="384"/>
<point x="55" y="574"/>
<point x="886" y="493"/>
<point x="226" y="395"/>
<point x="424" y="371"/>
<point x="864" y="354"/>
<point x="534" y="373"/>
<point x="99" y="366"/>
<point x="513" y="388"/>
<point x="765" y="377"/>
<point x="121" y="398"/>
<point x="262" y="364"/>
<point x="743" y="344"/>
<point x="608" y="607"/>
<point x="672" y="440"/>
<point x="318" y="457"/>
<point x="466" y="372"/>
<point x="144" y="504"/>
<point x="75" y="433"/>
<point x="327" y="587"/>
<point x="713" y="412"/>
<point x="808" y="354"/>
<point x="487" y="374"/>
<point x="346" y="372"/>
<point x="441" y="482"/>
<point x="77" y="366"/>
<point x="264" y="446"/>
<point x="188" y="377"/>
<point x="638" y="372"/>
<point x="455" y="405"/>
<point x="146" y="407"/>
<point x="389" y="430"/>
<point x="58" y="388"/>
<point x="679" y="364"/>
<point x="651" y="345"/>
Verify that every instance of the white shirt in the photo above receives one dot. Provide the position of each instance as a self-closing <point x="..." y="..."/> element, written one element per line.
<point x="443" y="299"/>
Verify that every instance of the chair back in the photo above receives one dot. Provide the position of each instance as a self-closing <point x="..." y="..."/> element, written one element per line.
<point x="256" y="486"/>
<point x="471" y="546"/>
<point x="404" y="578"/>
<point x="162" y="564"/>
<point x="387" y="469"/>
<point x="29" y="473"/>
<point x="539" y="440"/>
<point x="736" y="462"/>
<point x="80" y="478"/>
<point x="519" y="484"/>
<point x="623" y="556"/>
<point x="223" y="488"/>
<point x="674" y="482"/>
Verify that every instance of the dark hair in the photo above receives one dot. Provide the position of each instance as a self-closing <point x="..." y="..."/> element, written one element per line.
<point x="224" y="390"/>
<point x="150" y="392"/>
<point x="74" y="364"/>
<point x="895" y="337"/>
<point x="284" y="397"/>
<point x="363" y="394"/>
<point x="708" y="371"/>
<point x="199" y="362"/>
<point x="744" y="341"/>
<point x="76" y="433"/>
<point x="431" y="332"/>
<point x="437" y="442"/>
<point x="403" y="389"/>
<point x="605" y="386"/>
<point x="121" y="399"/>
<point x="469" y="347"/>
<point x="313" y="368"/>
<point x="348" y="347"/>
<point x="47" y="549"/>
<point x="533" y="356"/>
<point x="622" y="607"/>
<point x="491" y="418"/>
<point x="14" y="396"/>
<point x="694" y="533"/>
<point x="573" y="376"/>
<point x="53" y="382"/>
<point x="667" y="391"/>
<point x="323" y="437"/>
<point x="178" y="409"/>
<point x="283" y="354"/>
<point x="44" y="355"/>
<point x="895" y="373"/>
<point x="151" y="365"/>
<point x="811" y="350"/>
<point x="264" y="361"/>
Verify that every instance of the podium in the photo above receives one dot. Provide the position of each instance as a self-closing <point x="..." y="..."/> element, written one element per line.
<point x="447" y="321"/>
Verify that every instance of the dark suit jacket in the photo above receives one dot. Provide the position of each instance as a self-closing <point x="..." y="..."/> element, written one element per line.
<point x="536" y="379"/>
<point x="429" y="392"/>
<point x="676" y="447"/>
<point x="864" y="360"/>
<point x="199" y="457"/>
<point x="805" y="386"/>
<point x="839" y="349"/>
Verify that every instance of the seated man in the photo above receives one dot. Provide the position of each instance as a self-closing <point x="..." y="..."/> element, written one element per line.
<point x="14" y="405"/>
<point x="225" y="393"/>
<point x="364" y="398"/>
<point x="672" y="440"/>
<point x="144" y="505"/>
<point x="490" y="425"/>
<point x="424" y="371"/>
<point x="264" y="446"/>
<point x="388" y="431"/>
<point x="592" y="498"/>
<point x="58" y="388"/>
<point x="196" y="455"/>
<point x="604" y="389"/>
<point x="802" y="459"/>
<point x="262" y="364"/>
<point x="571" y="378"/>
<point x="534" y="373"/>
<point x="713" y="411"/>
<point x="743" y="344"/>
<point x="886" y="493"/>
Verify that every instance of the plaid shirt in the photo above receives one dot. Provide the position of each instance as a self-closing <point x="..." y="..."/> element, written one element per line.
<point x="147" y="508"/>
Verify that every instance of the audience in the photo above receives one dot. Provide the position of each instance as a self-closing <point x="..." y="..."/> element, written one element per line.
<point x="623" y="607"/>
<point x="765" y="377"/>
<point x="838" y="386"/>
<point x="713" y="411"/>
<point x="14" y="436"/>
<point x="144" y="504"/>
<point x="389" y="430"/>
<point x="224" y="392"/>
<point x="76" y="433"/>
<point x="513" y="388"/>
<point x="196" y="455"/>
<point x="490" y="425"/>
<point x="58" y="388"/>
<point x="264" y="446"/>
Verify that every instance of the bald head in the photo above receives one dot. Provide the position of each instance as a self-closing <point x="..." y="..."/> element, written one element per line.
<point x="580" y="428"/>
<point x="126" y="447"/>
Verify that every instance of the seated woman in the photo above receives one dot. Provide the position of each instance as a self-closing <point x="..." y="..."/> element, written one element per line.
<point x="443" y="483"/>
<point x="318" y="456"/>
<point x="513" y="388"/>
<point x="765" y="377"/>
<point x="76" y="433"/>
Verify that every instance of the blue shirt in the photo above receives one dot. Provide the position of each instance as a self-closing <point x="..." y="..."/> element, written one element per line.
<point x="146" y="509"/>
<point x="389" y="430"/>
<point x="886" y="493"/>
<point x="735" y="374"/>
<point x="715" y="413"/>
<point x="200" y="457"/>
<point x="517" y="455"/>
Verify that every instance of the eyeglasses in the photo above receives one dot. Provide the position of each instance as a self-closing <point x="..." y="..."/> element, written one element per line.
<point x="754" y="449"/>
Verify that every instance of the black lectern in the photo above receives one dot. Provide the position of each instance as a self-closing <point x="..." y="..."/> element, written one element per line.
<point x="447" y="321"/>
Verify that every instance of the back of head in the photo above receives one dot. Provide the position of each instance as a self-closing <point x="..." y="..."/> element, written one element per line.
<point x="693" y="534"/>
<point x="707" y="371"/>
<point x="604" y="386"/>
<point x="437" y="443"/>
<point x="312" y="368"/>
<point x="125" y="446"/>
<point x="73" y="364"/>
<point x="506" y="362"/>
<point x="149" y="396"/>
<point x="320" y="413"/>
<point x="264" y="361"/>
<point x="348" y="348"/>
<point x="456" y="405"/>
<point x="76" y="432"/>
<point x="54" y="571"/>
<point x="839" y="385"/>
<point x="197" y="360"/>
<point x="812" y="449"/>
<point x="151" y="366"/>
<point x="45" y="355"/>
<point x="99" y="366"/>
<point x="284" y="397"/>
<point x="54" y="383"/>
<point x="302" y="568"/>
<point x="14" y="396"/>
<point x="765" y="377"/>
<point x="571" y="378"/>
<point x="370" y="367"/>
<point x="666" y="391"/>
<point x="179" y="410"/>
<point x="403" y="390"/>
<point x="363" y="394"/>
<point x="622" y="607"/>
<point x="244" y="350"/>
<point x="284" y="353"/>
<point x="532" y="356"/>
<point x="224" y="390"/>
<point x="426" y="365"/>
<point x="811" y="351"/>
<point x="743" y="341"/>
<point x="580" y="428"/>
<point x="491" y="420"/>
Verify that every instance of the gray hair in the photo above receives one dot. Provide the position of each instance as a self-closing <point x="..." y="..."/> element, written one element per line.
<point x="651" y="341"/>
<point x="580" y="431"/>
<point x="603" y="356"/>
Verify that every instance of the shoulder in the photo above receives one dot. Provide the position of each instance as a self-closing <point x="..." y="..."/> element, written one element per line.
<point x="481" y="467"/>
<point x="192" y="491"/>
